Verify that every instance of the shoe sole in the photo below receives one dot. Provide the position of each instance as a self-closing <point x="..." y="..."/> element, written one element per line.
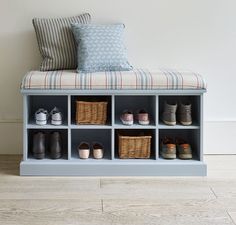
<point x="56" y="122"/>
<point x="144" y="122"/>
<point x="39" y="155"/>
<point x="128" y="123"/>
<point x="56" y="156"/>
<point x="169" y="123"/>
<point x="186" y="123"/>
<point x="185" y="156"/>
<point x="41" y="123"/>
<point x="97" y="157"/>
<point x="168" y="156"/>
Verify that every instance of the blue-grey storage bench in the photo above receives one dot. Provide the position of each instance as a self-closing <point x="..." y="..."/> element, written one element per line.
<point x="123" y="90"/>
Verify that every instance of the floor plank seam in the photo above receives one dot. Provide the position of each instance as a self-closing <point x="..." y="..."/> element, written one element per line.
<point x="230" y="217"/>
<point x="100" y="183"/>
<point x="212" y="190"/>
<point x="102" y="205"/>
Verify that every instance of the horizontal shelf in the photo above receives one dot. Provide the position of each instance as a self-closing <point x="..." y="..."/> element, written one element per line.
<point x="178" y="161"/>
<point x="112" y="161"/>
<point x="119" y="125"/>
<point x="133" y="127"/>
<point x="72" y="126"/>
<point x="161" y="125"/>
<point x="141" y="161"/>
<point x="32" y="125"/>
<point x="75" y="126"/>
<point x="90" y="160"/>
<point x="116" y="126"/>
<point x="46" y="160"/>
<point x="75" y="159"/>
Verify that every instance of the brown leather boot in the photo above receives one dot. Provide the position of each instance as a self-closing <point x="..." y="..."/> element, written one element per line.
<point x="39" y="145"/>
<point x="55" y="145"/>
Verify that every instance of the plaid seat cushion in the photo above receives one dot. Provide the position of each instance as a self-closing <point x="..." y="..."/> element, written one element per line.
<point x="137" y="79"/>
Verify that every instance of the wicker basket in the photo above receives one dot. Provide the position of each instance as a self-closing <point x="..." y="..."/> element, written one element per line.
<point x="134" y="147"/>
<point x="91" y="112"/>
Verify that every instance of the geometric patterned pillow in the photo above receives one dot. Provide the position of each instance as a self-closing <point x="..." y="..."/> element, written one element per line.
<point x="100" y="47"/>
<point x="56" y="41"/>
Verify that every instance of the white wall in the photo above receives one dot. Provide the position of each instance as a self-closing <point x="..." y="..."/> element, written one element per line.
<point x="199" y="35"/>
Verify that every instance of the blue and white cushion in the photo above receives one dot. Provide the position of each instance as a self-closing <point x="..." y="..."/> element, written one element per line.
<point x="100" y="47"/>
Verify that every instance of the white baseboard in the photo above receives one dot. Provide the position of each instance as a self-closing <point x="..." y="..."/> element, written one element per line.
<point x="218" y="137"/>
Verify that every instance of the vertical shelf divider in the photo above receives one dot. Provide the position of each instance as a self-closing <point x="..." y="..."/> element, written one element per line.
<point x="201" y="127"/>
<point x="112" y="144"/>
<point x="69" y="126"/>
<point x="157" y="127"/>
<point x="26" y="106"/>
<point x="113" y="110"/>
<point x="112" y="124"/>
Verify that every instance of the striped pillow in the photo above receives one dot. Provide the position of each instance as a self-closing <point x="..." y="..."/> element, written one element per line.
<point x="56" y="41"/>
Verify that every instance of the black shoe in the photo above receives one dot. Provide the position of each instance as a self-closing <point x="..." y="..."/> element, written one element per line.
<point x="39" y="145"/>
<point x="55" y="145"/>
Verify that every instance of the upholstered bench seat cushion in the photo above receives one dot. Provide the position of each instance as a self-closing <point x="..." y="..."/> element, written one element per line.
<point x="137" y="79"/>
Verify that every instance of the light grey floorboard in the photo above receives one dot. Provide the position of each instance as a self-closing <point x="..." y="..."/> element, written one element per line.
<point x="130" y="200"/>
<point x="233" y="216"/>
<point x="155" y="188"/>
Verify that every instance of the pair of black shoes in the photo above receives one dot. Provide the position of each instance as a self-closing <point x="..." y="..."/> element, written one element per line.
<point x="39" y="145"/>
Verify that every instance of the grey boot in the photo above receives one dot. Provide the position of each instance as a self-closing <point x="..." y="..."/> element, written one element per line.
<point x="169" y="113"/>
<point x="39" y="145"/>
<point x="184" y="114"/>
<point x="55" y="145"/>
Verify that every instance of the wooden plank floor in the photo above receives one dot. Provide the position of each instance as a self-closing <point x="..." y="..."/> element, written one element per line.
<point x="130" y="200"/>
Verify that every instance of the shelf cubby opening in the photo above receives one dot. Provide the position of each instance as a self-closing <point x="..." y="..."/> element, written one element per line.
<point x="47" y="132"/>
<point x="102" y="136"/>
<point x="136" y="132"/>
<point x="196" y="109"/>
<point x="47" y="102"/>
<point x="189" y="135"/>
<point x="89" y="98"/>
<point x="135" y="103"/>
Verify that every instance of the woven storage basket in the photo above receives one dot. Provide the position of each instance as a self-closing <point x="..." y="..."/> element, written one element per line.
<point x="91" y="112"/>
<point x="134" y="147"/>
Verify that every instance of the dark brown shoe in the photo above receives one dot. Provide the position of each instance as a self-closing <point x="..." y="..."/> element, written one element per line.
<point x="184" y="149"/>
<point x="55" y="145"/>
<point x="168" y="148"/>
<point x="39" y="145"/>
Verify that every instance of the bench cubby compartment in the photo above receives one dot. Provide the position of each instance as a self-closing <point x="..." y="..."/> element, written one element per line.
<point x="136" y="132"/>
<point x="89" y="98"/>
<point x="194" y="100"/>
<point x="135" y="103"/>
<point x="192" y="136"/>
<point x="102" y="136"/>
<point x="47" y="102"/>
<point x="64" y="139"/>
